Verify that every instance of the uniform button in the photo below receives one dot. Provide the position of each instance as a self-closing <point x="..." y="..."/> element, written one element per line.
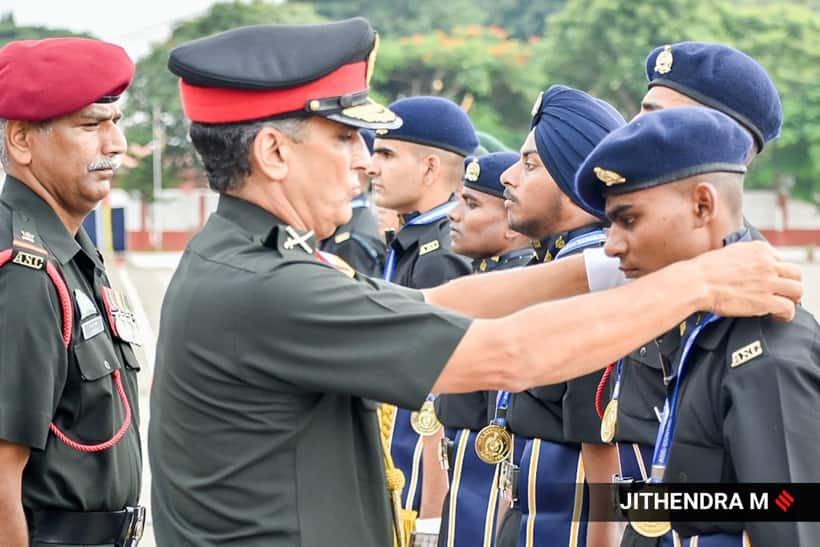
<point x="683" y="477"/>
<point x="643" y="351"/>
<point x="107" y="365"/>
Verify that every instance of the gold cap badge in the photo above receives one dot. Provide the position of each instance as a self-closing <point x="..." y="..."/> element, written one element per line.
<point x="473" y="171"/>
<point x="536" y="106"/>
<point x="663" y="63"/>
<point x="610" y="178"/>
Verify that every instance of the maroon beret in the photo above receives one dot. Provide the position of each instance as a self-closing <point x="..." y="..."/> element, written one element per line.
<point x="46" y="79"/>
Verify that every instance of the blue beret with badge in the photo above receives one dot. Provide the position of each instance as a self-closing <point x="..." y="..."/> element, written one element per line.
<point x="433" y="121"/>
<point x="483" y="173"/>
<point x="568" y="123"/>
<point x="722" y="78"/>
<point x="661" y="147"/>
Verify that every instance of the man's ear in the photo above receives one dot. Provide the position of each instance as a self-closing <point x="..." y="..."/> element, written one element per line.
<point x="432" y="168"/>
<point x="18" y="141"/>
<point x="704" y="203"/>
<point x="270" y="153"/>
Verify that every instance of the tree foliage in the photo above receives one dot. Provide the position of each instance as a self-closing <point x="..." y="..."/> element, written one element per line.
<point x="155" y="87"/>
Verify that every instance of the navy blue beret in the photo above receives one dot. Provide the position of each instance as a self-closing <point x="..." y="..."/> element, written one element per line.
<point x="568" y="123"/>
<point x="368" y="135"/>
<point x="661" y="147"/>
<point x="433" y="121"/>
<point x="483" y="173"/>
<point x="722" y="78"/>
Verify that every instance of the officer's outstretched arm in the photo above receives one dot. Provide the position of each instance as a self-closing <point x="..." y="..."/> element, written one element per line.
<point x="556" y="341"/>
<point x="13" y="530"/>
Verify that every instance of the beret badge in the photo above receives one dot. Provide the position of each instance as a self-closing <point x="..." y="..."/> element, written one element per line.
<point x="473" y="171"/>
<point x="663" y="64"/>
<point x="610" y="178"/>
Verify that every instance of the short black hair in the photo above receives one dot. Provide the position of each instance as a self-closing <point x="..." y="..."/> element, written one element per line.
<point x="225" y="148"/>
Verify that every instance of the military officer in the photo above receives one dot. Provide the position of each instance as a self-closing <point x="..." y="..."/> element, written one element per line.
<point x="558" y="420"/>
<point x="358" y="241"/>
<point x="684" y="74"/>
<point x="269" y="355"/>
<point x="70" y="463"/>
<point x="415" y="170"/>
<point x="479" y="230"/>
<point x="741" y="393"/>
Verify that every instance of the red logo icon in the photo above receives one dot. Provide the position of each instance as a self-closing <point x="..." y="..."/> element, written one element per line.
<point x="784" y="500"/>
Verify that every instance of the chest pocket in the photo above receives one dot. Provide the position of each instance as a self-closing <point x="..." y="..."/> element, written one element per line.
<point x="96" y="357"/>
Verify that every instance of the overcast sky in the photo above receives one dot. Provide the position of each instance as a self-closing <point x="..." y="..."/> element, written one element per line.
<point x="133" y="24"/>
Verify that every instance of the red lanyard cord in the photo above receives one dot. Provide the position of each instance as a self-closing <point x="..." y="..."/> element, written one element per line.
<point x="599" y="393"/>
<point x="66" y="308"/>
<point x="113" y="440"/>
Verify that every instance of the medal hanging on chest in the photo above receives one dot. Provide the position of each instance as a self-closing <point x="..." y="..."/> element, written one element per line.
<point x="424" y="421"/>
<point x="493" y="443"/>
<point x="122" y="320"/>
<point x="609" y="422"/>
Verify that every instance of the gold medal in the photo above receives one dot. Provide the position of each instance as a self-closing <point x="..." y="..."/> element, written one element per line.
<point x="609" y="421"/>
<point x="424" y="421"/>
<point x="651" y="529"/>
<point x="493" y="444"/>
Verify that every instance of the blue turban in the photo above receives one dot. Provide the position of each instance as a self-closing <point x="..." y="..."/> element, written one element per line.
<point x="722" y="78"/>
<point x="433" y="121"/>
<point x="568" y="123"/>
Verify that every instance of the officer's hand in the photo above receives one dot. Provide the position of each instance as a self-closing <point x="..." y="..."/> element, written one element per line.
<point x="747" y="279"/>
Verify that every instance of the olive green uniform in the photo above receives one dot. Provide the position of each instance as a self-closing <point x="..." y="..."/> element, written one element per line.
<point x="263" y="429"/>
<point x="42" y="382"/>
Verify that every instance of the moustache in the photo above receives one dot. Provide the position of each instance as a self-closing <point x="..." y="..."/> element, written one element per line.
<point x="101" y="164"/>
<point x="509" y="196"/>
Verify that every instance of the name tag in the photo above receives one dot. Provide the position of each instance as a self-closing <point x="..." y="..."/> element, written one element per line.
<point x="92" y="327"/>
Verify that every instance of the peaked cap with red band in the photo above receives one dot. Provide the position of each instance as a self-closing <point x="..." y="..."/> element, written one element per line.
<point x="267" y="71"/>
<point x="46" y="79"/>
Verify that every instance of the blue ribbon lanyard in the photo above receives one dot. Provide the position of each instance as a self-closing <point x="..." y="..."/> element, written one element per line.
<point x="590" y="239"/>
<point x="429" y="217"/>
<point x="616" y="391"/>
<point x="502" y="403"/>
<point x="666" y="431"/>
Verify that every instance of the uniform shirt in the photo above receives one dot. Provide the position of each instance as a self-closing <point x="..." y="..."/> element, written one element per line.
<point x="555" y="419"/>
<point x="422" y="259"/>
<point x="562" y="412"/>
<point x="743" y="419"/>
<point x="642" y="394"/>
<point x="469" y="517"/>
<point x="41" y="381"/>
<point x="358" y="241"/>
<point x="263" y="431"/>
<point x="423" y="255"/>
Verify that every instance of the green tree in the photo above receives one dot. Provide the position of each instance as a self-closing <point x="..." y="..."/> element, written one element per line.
<point x="155" y="87"/>
<point x="10" y="31"/>
<point x="393" y="18"/>
<point x="480" y="68"/>
<point x="785" y="38"/>
<point x="600" y="45"/>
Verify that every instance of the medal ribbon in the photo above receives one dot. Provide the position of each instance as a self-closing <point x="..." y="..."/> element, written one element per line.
<point x="666" y="430"/>
<point x="502" y="403"/>
<point x="429" y="217"/>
